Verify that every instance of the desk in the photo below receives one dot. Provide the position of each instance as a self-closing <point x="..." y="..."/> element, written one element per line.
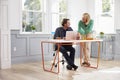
<point x="60" y="42"/>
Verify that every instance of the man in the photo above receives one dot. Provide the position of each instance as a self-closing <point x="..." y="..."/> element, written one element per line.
<point x="61" y="33"/>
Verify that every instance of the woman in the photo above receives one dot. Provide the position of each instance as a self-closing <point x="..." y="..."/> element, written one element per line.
<point x="85" y="28"/>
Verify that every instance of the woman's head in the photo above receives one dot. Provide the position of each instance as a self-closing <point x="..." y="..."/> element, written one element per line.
<point x="86" y="17"/>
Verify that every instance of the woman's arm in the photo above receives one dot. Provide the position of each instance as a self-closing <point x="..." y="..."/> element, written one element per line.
<point x="89" y="27"/>
<point x="80" y="27"/>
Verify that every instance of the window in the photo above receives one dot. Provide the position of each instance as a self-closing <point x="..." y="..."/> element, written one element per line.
<point x="62" y="10"/>
<point x="32" y="15"/>
<point x="104" y="16"/>
<point x="59" y="11"/>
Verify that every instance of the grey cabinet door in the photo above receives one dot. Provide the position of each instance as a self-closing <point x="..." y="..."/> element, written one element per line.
<point x="106" y="49"/>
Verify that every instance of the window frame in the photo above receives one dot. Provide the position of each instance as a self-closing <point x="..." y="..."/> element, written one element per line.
<point x="58" y="13"/>
<point x="43" y="10"/>
<point x="46" y="20"/>
<point x="98" y="16"/>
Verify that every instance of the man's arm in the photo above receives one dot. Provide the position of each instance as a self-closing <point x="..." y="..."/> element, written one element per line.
<point x="56" y="33"/>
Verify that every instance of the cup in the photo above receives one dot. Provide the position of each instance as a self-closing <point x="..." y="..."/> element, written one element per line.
<point x="84" y="37"/>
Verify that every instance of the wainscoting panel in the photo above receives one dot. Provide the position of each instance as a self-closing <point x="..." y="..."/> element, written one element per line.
<point x="35" y="46"/>
<point x="19" y="46"/>
<point x="27" y="47"/>
<point x="117" y="45"/>
<point x="107" y="49"/>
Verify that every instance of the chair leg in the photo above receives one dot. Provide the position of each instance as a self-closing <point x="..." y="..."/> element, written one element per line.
<point x="62" y="61"/>
<point x="53" y="54"/>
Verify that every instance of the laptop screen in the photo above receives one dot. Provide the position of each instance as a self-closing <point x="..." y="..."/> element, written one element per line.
<point x="71" y="35"/>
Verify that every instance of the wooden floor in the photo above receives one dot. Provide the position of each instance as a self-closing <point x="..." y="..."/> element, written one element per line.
<point x="108" y="70"/>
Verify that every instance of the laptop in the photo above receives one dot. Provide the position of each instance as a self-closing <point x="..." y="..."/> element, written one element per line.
<point x="71" y="35"/>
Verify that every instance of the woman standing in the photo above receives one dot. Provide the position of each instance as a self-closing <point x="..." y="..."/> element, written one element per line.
<point x="85" y="28"/>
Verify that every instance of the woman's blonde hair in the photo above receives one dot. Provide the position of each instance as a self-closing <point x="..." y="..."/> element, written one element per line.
<point x="87" y="16"/>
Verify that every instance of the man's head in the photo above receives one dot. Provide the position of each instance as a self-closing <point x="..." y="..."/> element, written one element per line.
<point x="66" y="22"/>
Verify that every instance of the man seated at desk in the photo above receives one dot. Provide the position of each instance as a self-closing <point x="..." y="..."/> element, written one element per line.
<point x="61" y="33"/>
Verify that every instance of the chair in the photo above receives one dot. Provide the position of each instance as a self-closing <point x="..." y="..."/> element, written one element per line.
<point x="62" y="60"/>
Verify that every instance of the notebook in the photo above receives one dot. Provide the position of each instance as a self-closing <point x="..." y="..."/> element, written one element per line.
<point x="71" y="35"/>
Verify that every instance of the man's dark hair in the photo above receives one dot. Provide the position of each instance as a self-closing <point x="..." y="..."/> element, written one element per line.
<point x="65" y="21"/>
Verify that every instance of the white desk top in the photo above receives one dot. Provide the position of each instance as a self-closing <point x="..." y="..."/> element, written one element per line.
<point x="70" y="41"/>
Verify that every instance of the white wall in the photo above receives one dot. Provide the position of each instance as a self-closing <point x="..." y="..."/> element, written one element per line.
<point x="14" y="14"/>
<point x="91" y="8"/>
<point x="117" y="14"/>
<point x="75" y="10"/>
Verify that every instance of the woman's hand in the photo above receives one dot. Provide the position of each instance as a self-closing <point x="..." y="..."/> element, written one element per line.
<point x="87" y="22"/>
<point x="84" y="20"/>
<point x="78" y="36"/>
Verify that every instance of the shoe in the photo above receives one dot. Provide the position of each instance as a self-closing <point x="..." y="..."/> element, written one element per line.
<point x="85" y="64"/>
<point x="69" y="67"/>
<point x="75" y="67"/>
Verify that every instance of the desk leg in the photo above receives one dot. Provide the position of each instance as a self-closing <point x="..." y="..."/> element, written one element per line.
<point x="98" y="54"/>
<point x="57" y="54"/>
<point x="53" y="61"/>
<point x="97" y="58"/>
<point x="58" y="57"/>
<point x="42" y="55"/>
<point x="81" y="54"/>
